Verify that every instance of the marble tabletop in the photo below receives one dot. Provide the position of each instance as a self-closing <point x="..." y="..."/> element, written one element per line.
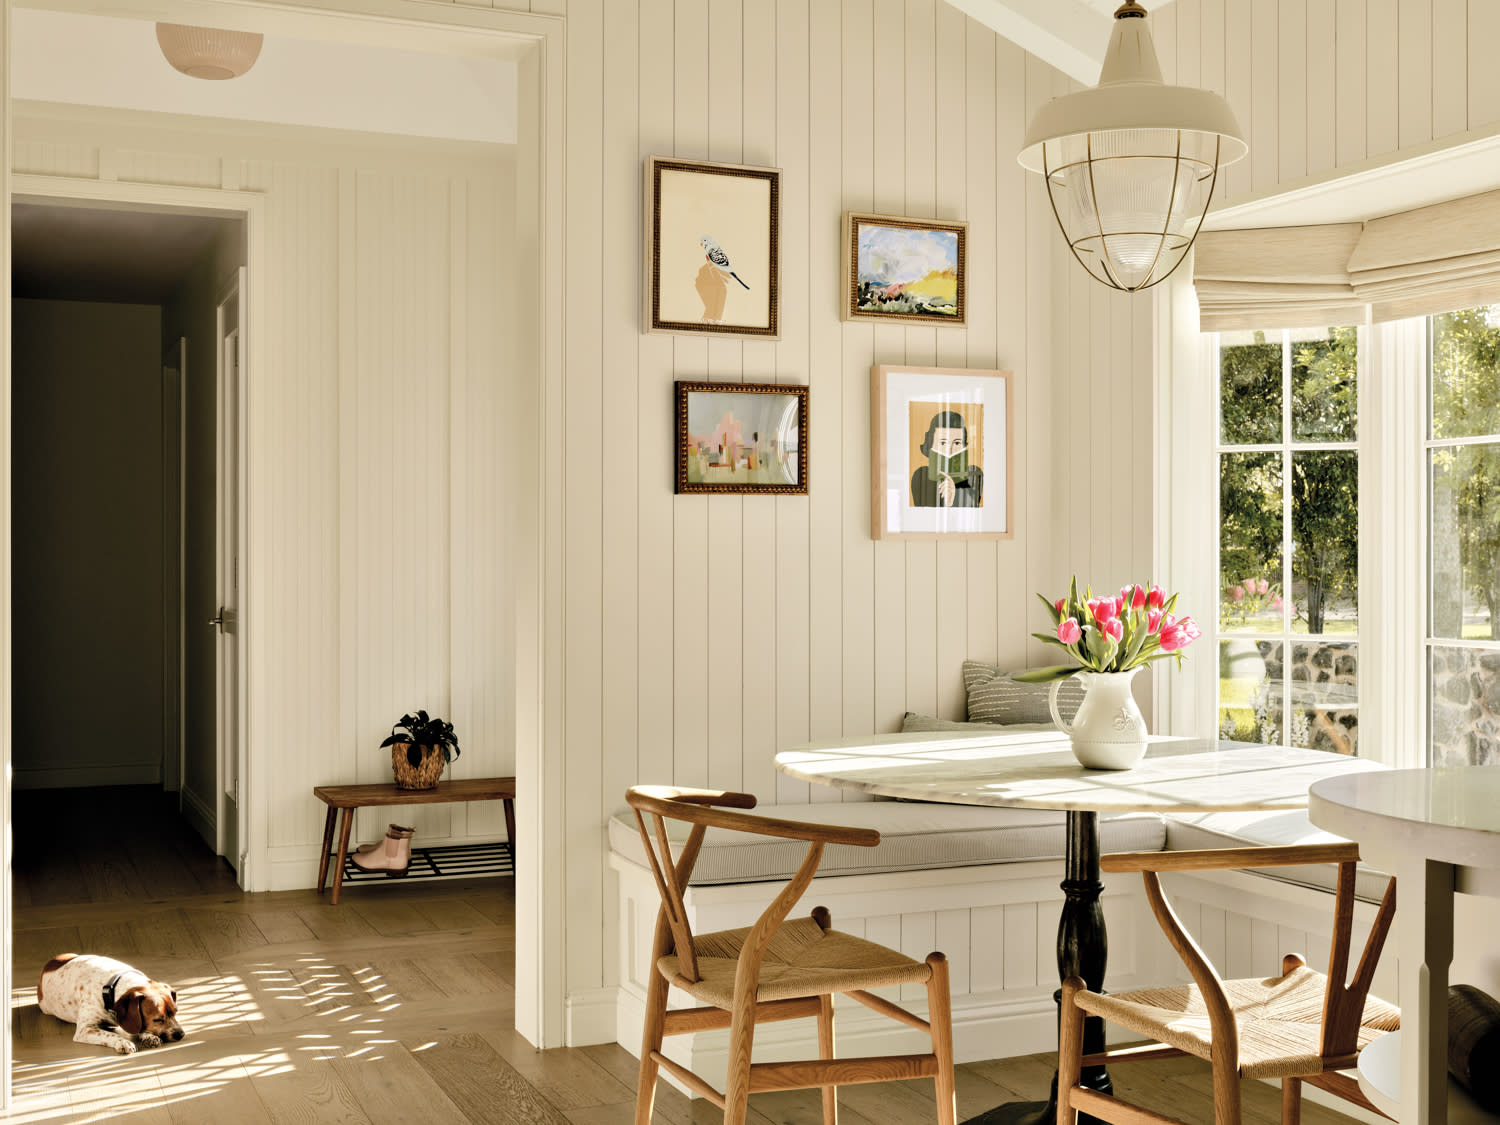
<point x="1037" y="770"/>
<point x="1447" y="814"/>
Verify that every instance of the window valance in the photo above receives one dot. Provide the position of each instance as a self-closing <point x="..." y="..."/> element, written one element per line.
<point x="1429" y="260"/>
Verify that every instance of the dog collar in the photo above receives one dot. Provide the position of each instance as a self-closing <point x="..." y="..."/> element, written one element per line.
<point x="109" y="991"/>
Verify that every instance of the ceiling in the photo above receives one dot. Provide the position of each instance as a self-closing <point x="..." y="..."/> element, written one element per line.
<point x="62" y="252"/>
<point x="1069" y="34"/>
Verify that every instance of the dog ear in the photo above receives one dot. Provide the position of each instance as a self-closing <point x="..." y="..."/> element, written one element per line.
<point x="169" y="1005"/>
<point x="132" y="1016"/>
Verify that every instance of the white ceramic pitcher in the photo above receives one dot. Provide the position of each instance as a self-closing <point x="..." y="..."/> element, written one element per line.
<point x="1108" y="732"/>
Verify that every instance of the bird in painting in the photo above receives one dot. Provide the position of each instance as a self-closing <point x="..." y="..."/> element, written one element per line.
<point x="715" y="254"/>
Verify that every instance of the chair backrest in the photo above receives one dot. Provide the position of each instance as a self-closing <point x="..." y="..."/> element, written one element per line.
<point x="1344" y="1000"/>
<point x="705" y="809"/>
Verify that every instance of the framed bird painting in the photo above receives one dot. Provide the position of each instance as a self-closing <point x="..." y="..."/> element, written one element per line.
<point x="713" y="250"/>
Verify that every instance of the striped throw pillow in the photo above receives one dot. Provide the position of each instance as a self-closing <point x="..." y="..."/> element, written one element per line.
<point x="995" y="697"/>
<point x="924" y="723"/>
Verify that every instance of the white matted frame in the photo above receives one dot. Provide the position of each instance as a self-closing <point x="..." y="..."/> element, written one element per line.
<point x="941" y="445"/>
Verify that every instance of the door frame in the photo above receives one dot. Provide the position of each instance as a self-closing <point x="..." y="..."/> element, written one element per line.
<point x="536" y="42"/>
<point x="235" y="289"/>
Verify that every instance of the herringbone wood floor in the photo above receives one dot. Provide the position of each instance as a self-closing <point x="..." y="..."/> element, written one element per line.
<point x="393" y="1008"/>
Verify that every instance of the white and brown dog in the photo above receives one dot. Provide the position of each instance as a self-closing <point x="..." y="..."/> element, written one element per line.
<point x="113" y="1004"/>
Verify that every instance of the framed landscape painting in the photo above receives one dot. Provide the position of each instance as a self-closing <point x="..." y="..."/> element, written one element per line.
<point x="905" y="270"/>
<point x="713" y="249"/>
<point x="741" y="437"/>
<point x="940" y="447"/>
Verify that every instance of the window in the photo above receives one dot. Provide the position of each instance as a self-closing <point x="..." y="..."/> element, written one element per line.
<point x="1463" y="502"/>
<point x="1289" y="538"/>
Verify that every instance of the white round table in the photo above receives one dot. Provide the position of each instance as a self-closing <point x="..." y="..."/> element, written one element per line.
<point x="1037" y="770"/>
<point x="1437" y="831"/>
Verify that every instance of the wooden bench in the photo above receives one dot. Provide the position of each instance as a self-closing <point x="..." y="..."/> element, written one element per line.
<point x="351" y="797"/>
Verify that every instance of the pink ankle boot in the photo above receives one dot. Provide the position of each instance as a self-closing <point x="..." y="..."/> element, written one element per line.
<point x="392" y="855"/>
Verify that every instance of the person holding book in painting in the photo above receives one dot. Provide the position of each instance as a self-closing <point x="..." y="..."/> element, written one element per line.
<point x="947" y="480"/>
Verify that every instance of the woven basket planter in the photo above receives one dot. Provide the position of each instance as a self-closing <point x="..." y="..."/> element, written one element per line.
<point x="423" y="773"/>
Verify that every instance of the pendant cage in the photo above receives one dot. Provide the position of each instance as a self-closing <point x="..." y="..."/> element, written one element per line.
<point x="1130" y="201"/>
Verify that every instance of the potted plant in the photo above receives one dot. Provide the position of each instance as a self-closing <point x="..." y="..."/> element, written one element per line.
<point x="420" y="746"/>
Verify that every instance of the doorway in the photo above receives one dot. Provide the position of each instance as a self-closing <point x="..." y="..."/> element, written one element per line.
<point x="115" y="394"/>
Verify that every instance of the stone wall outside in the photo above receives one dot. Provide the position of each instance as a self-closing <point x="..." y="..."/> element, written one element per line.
<point x="1465" y="706"/>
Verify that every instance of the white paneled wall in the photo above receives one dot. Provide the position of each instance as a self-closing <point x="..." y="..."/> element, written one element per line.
<point x="703" y="633"/>
<point x="377" y="435"/>
<point x="1324" y="84"/>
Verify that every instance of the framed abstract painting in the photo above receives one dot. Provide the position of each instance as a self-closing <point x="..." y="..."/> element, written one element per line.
<point x="941" y="453"/>
<point x="742" y="437"/>
<point x="910" y="271"/>
<point x="713" y="249"/>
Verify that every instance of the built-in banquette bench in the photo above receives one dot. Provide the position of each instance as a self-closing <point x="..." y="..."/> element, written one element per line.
<point x="981" y="884"/>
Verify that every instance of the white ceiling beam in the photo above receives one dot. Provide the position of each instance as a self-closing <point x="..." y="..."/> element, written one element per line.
<point x="1069" y="34"/>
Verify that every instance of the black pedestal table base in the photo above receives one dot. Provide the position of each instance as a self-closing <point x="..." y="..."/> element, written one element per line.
<point x="1082" y="948"/>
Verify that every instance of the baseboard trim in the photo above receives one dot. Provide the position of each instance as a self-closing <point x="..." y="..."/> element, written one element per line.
<point x="592" y="1016"/>
<point x="77" y="777"/>
<point x="202" y="816"/>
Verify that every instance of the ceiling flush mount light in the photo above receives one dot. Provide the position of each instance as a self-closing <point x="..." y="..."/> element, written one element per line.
<point x="207" y="52"/>
<point x="1130" y="165"/>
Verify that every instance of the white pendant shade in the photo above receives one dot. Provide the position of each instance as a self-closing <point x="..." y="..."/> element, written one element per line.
<point x="1131" y="164"/>
<point x="207" y="52"/>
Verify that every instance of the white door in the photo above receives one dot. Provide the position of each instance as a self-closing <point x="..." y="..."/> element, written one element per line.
<point x="174" y="585"/>
<point x="229" y="673"/>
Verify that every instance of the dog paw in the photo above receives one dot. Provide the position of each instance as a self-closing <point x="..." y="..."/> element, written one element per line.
<point x="149" y="1040"/>
<point x="124" y="1047"/>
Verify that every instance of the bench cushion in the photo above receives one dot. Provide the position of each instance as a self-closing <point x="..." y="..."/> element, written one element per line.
<point x="1191" y="831"/>
<point x="914" y="722"/>
<point x="915" y="836"/>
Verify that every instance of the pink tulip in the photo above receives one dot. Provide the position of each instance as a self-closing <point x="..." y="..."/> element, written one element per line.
<point x="1058" y="605"/>
<point x="1178" y="633"/>
<point x="1068" y="631"/>
<point x="1155" y="597"/>
<point x="1238" y="593"/>
<point x="1114" y="628"/>
<point x="1104" y="609"/>
<point x="1264" y="586"/>
<point x="1133" y="596"/>
<point x="1276" y="602"/>
<point x="1153" y="620"/>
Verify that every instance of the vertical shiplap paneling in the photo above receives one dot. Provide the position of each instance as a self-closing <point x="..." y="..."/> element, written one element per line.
<point x="1164" y="35"/>
<point x="1211" y="63"/>
<point x="995" y="74"/>
<point x="654" y="652"/>
<point x="951" y="125"/>
<point x="921" y="599"/>
<point x="1414" y="76"/>
<point x="1291" y="72"/>
<point x="1382" y="69"/>
<point x="801" y="304"/>
<point x="758" y="513"/>
<point x="1484" y="75"/>
<point x="584" y="466"/>
<point x="1450" y="67"/>
<point x="620" y="404"/>
<point x="1239" y="88"/>
<point x="825" y="378"/>
<point x="1322" y="86"/>
<point x="860" y="152"/>
<point x="694" y="644"/>
<point x="725" y="652"/>
<point x="1349" y="83"/>
<point x="1011" y="596"/>
<point x="884" y="90"/>
<point x="1265" y="93"/>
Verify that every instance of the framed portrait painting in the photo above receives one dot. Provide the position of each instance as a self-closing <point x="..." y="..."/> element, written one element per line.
<point x="742" y="437"/>
<point x="909" y="271"/>
<point x="941" y="440"/>
<point x="713" y="252"/>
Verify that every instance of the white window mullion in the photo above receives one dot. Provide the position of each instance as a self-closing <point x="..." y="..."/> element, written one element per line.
<point x="1285" y="694"/>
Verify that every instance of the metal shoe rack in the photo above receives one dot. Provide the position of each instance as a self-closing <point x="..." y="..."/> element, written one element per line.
<point x="459" y="861"/>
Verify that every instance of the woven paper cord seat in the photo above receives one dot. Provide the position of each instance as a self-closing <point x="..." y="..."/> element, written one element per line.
<point x="1280" y="1020"/>
<point x="801" y="960"/>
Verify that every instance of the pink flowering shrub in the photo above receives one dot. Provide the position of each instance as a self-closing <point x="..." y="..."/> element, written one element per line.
<point x="1246" y="600"/>
<point x="1120" y="632"/>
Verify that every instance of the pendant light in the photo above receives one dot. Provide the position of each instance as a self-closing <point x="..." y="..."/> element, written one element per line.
<point x="208" y="52"/>
<point x="1130" y="165"/>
